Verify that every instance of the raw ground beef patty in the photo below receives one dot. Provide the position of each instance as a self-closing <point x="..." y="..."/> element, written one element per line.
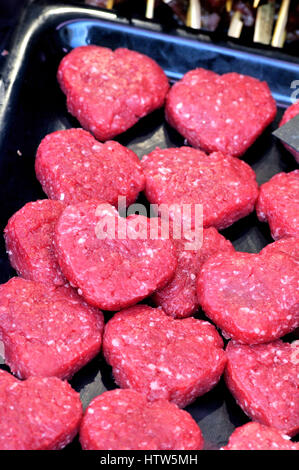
<point x="38" y="413"/>
<point x="163" y="358"/>
<point x="290" y="113"/>
<point x="29" y="241"/>
<point x="224" y="113"/>
<point x="125" y="420"/>
<point x="278" y="204"/>
<point x="108" y="92"/>
<point x="256" y="436"/>
<point x="47" y="330"/>
<point x="226" y="187"/>
<point x="289" y="245"/>
<point x="179" y="297"/>
<point x="264" y="381"/>
<point x="112" y="270"/>
<point x="252" y="298"/>
<point x="73" y="167"/>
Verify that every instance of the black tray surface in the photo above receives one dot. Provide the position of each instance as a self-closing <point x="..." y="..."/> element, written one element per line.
<point x="32" y="105"/>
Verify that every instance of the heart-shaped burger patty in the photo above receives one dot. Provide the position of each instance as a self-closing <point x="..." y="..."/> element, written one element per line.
<point x="125" y="420"/>
<point x="29" y="241"/>
<point x="278" y="204"/>
<point x="264" y="379"/>
<point x="252" y="298"/>
<point x="256" y="436"/>
<point x="47" y="330"/>
<point x="109" y="91"/>
<point x="224" y="113"/>
<point x="72" y="167"/>
<point x="116" y="268"/>
<point x="163" y="358"/>
<point x="38" y="413"/>
<point x="181" y="178"/>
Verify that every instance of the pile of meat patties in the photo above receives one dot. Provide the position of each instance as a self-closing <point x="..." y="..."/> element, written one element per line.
<point x="75" y="256"/>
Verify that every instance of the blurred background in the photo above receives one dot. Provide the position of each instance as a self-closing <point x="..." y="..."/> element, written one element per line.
<point x="266" y="23"/>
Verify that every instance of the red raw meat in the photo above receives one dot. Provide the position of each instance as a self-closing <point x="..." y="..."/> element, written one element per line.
<point x="37" y="414"/>
<point x="47" y="330"/>
<point x="278" y="204"/>
<point x="29" y="241"/>
<point x="163" y="358"/>
<point x="108" y="92"/>
<point x="117" y="271"/>
<point x="290" y="113"/>
<point x="179" y="297"/>
<point x="264" y="379"/>
<point x="255" y="436"/>
<point x="224" y="113"/>
<point x="225" y="186"/>
<point x="125" y="420"/>
<point x="73" y="167"/>
<point x="289" y="245"/>
<point x="252" y="298"/>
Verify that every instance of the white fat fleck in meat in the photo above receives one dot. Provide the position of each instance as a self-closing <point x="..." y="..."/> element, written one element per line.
<point x="155" y="386"/>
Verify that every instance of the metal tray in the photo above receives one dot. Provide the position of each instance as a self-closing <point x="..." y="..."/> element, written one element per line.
<point x="32" y="105"/>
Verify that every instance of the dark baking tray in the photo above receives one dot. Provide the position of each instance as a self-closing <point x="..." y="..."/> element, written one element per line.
<point x="32" y="105"/>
